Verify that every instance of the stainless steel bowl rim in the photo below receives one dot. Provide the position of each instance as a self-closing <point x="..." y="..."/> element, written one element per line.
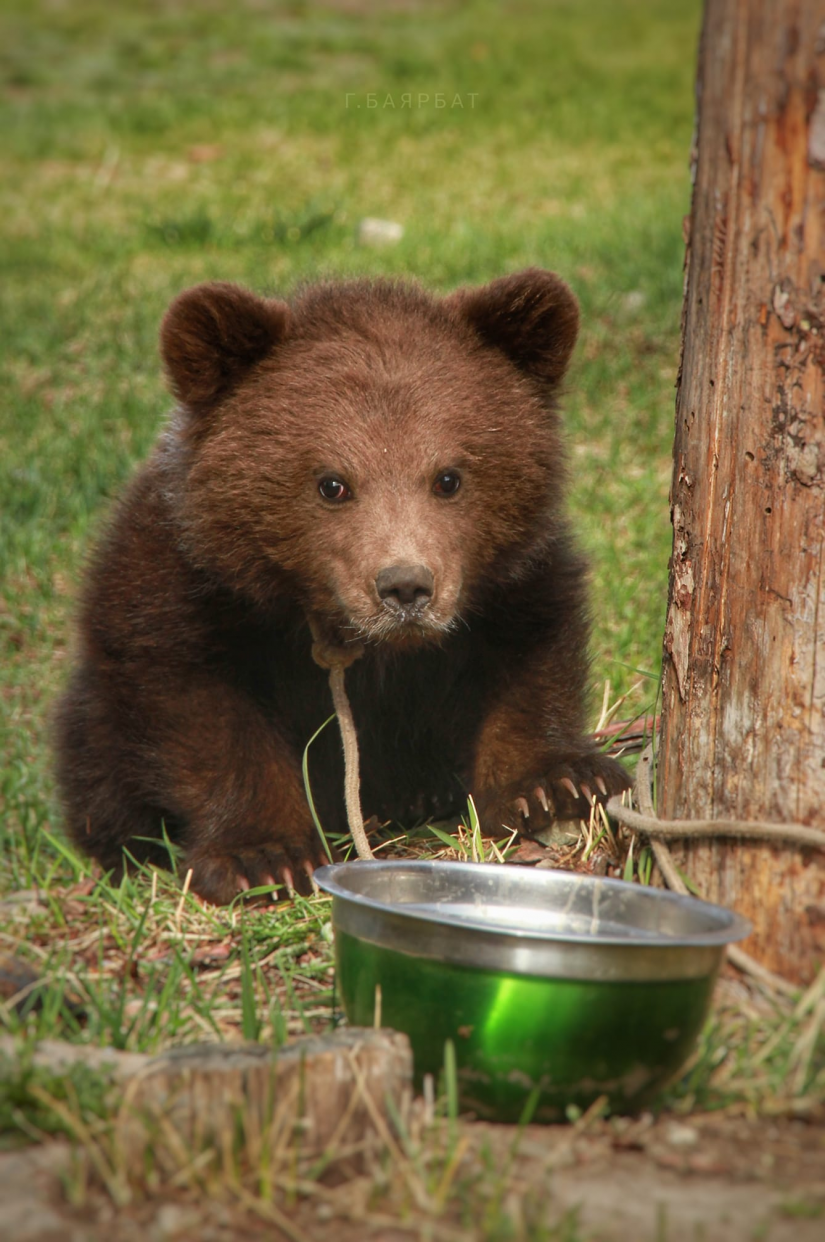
<point x="434" y="931"/>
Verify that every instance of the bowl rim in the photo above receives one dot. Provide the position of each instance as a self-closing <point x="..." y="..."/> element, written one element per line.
<point x="730" y="925"/>
<point x="419" y="931"/>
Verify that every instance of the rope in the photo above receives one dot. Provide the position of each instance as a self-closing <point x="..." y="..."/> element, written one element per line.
<point x="644" y="797"/>
<point x="647" y="821"/>
<point x="352" y="779"/>
<point x="336" y="660"/>
<point x="664" y="859"/>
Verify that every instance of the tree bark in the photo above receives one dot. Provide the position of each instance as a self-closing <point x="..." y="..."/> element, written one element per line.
<point x="743" y="723"/>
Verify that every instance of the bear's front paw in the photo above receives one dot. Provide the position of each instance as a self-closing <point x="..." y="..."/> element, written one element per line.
<point x="564" y="789"/>
<point x="219" y="876"/>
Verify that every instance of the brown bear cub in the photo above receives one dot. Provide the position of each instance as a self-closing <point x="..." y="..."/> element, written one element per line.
<point x="382" y="467"/>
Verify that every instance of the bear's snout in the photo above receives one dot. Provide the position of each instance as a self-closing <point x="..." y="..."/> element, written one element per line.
<point x="405" y="588"/>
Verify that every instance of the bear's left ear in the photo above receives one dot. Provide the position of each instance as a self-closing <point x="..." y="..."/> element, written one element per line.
<point x="212" y="334"/>
<point x="532" y="316"/>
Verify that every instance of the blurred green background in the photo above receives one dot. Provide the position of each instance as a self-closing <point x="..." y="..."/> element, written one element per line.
<point x="149" y="146"/>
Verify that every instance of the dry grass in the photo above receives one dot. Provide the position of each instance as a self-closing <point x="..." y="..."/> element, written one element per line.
<point x="146" y="966"/>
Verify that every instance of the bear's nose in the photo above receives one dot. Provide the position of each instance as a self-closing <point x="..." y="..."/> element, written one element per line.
<point x="400" y="586"/>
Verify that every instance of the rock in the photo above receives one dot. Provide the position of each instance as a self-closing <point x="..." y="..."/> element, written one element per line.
<point x="634" y="300"/>
<point x="27" y="1180"/>
<point x="374" y="232"/>
<point x="175" y="1220"/>
<point x="19" y="983"/>
<point x="56" y="1056"/>
<point x="679" y="1135"/>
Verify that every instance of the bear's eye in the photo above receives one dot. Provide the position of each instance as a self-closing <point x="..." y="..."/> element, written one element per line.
<point x="447" y="484"/>
<point x="334" y="489"/>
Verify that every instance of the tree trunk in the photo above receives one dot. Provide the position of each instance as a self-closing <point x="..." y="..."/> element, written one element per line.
<point x="743" y="730"/>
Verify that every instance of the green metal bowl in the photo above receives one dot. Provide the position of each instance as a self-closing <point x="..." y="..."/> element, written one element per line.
<point x="553" y="987"/>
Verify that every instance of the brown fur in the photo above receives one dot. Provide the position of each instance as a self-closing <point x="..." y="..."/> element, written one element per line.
<point x="196" y="692"/>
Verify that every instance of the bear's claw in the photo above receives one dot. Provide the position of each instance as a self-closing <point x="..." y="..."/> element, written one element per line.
<point x="220" y="877"/>
<point x="568" y="784"/>
<point x="569" y="790"/>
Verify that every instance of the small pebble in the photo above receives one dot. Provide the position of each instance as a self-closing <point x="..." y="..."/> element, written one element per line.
<point x="634" y="300"/>
<point x="374" y="232"/>
<point x="174" y="1219"/>
<point x="679" y="1135"/>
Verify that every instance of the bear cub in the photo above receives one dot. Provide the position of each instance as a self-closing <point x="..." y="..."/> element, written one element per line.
<point x="379" y="468"/>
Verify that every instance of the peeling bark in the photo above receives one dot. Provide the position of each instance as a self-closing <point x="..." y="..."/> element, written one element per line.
<point x="743" y="730"/>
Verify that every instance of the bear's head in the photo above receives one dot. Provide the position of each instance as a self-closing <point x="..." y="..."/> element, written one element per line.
<point x="384" y="456"/>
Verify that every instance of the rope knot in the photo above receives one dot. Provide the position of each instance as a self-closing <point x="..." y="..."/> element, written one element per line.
<point x="329" y="656"/>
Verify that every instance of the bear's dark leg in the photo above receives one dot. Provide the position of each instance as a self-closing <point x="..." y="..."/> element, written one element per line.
<point x="197" y="754"/>
<point x="533" y="763"/>
<point x="105" y="806"/>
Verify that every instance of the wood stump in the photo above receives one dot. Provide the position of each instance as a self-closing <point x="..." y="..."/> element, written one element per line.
<point x="321" y="1097"/>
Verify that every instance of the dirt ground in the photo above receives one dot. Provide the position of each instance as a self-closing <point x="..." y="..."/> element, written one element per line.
<point x="726" y="1176"/>
<point x="714" y="1178"/>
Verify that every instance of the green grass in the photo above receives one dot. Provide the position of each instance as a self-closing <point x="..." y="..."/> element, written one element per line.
<point x="150" y="146"/>
<point x="154" y="145"/>
<point x="140" y="966"/>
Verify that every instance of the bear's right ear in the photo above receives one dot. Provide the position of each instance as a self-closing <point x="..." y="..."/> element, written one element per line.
<point x="211" y="334"/>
